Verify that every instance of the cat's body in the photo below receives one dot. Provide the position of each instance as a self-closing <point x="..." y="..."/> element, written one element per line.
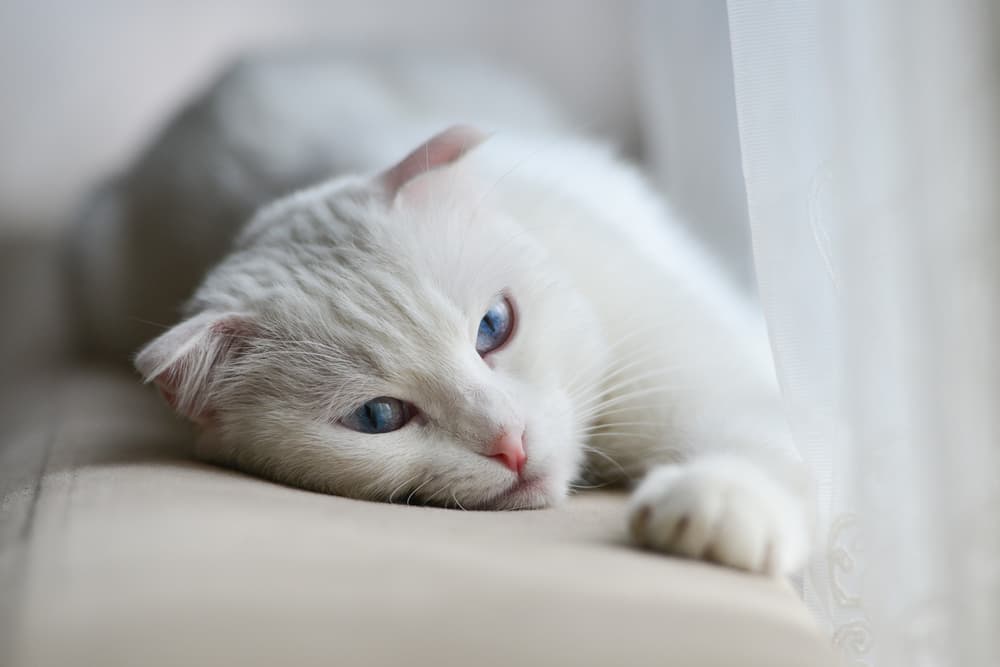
<point x="625" y="353"/>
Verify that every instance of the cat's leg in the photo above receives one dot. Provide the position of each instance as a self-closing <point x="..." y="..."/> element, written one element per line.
<point x="724" y="483"/>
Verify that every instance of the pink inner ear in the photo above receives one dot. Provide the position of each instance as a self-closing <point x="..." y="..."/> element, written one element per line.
<point x="183" y="361"/>
<point x="441" y="149"/>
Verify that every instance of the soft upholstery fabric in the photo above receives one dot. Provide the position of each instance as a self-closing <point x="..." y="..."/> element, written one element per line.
<point x="117" y="549"/>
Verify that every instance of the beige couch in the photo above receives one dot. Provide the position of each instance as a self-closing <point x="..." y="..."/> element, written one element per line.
<point x="117" y="549"/>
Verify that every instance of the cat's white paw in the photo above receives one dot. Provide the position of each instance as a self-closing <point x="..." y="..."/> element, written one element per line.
<point x="723" y="510"/>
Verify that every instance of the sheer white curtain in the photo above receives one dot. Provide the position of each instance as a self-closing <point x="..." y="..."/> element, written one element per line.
<point x="869" y="134"/>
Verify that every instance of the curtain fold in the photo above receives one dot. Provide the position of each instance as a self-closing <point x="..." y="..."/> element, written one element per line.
<point x="869" y="135"/>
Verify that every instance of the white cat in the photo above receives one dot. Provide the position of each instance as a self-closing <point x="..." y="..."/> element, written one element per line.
<point x="483" y="324"/>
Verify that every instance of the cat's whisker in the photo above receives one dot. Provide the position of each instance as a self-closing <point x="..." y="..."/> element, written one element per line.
<point x="605" y="401"/>
<point x="637" y="359"/>
<point x="606" y="406"/>
<point x="455" y="498"/>
<point x="576" y="382"/>
<point x="583" y="487"/>
<point x="603" y="425"/>
<point x="417" y="490"/>
<point x="397" y="489"/>
<point x="636" y="378"/>
<point x="158" y="325"/>
<point x="430" y="499"/>
<point x="624" y="403"/>
<point x="610" y="459"/>
<point x="625" y="434"/>
<point x="613" y="389"/>
<point x="633" y="332"/>
<point x="623" y="364"/>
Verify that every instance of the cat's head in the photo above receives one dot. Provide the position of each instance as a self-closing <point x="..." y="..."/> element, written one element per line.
<point x="394" y="338"/>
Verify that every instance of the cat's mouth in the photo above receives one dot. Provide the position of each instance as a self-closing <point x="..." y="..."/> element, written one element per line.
<point x="526" y="493"/>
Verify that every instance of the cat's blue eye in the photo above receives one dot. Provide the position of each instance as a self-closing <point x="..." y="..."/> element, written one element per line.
<point x="379" y="415"/>
<point x="496" y="326"/>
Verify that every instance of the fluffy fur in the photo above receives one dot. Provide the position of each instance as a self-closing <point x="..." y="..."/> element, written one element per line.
<point x="632" y="359"/>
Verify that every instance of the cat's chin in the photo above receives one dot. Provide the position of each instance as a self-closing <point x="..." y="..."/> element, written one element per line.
<point x="525" y="494"/>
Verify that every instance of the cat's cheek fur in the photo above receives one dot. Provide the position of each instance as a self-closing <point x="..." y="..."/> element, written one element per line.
<point x="418" y="464"/>
<point x="724" y="509"/>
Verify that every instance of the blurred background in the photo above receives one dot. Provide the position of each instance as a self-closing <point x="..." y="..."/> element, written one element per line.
<point x="85" y="84"/>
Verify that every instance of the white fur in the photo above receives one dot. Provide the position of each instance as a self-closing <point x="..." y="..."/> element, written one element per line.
<point x="631" y="353"/>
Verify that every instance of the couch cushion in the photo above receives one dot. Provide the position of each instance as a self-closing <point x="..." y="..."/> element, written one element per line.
<point x="119" y="550"/>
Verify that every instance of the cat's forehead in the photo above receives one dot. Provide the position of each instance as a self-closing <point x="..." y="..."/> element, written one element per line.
<point x="399" y="273"/>
<point x="381" y="330"/>
<point x="385" y="282"/>
<point x="437" y="233"/>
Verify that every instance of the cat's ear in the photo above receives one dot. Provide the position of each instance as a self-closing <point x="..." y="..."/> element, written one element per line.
<point x="441" y="149"/>
<point x="184" y="361"/>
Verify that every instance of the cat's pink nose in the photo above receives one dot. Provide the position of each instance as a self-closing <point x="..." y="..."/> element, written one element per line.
<point x="508" y="449"/>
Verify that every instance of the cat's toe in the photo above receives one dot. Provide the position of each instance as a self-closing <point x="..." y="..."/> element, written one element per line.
<point x="722" y="511"/>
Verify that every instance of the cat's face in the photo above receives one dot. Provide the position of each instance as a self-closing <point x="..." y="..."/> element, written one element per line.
<point x="415" y="346"/>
